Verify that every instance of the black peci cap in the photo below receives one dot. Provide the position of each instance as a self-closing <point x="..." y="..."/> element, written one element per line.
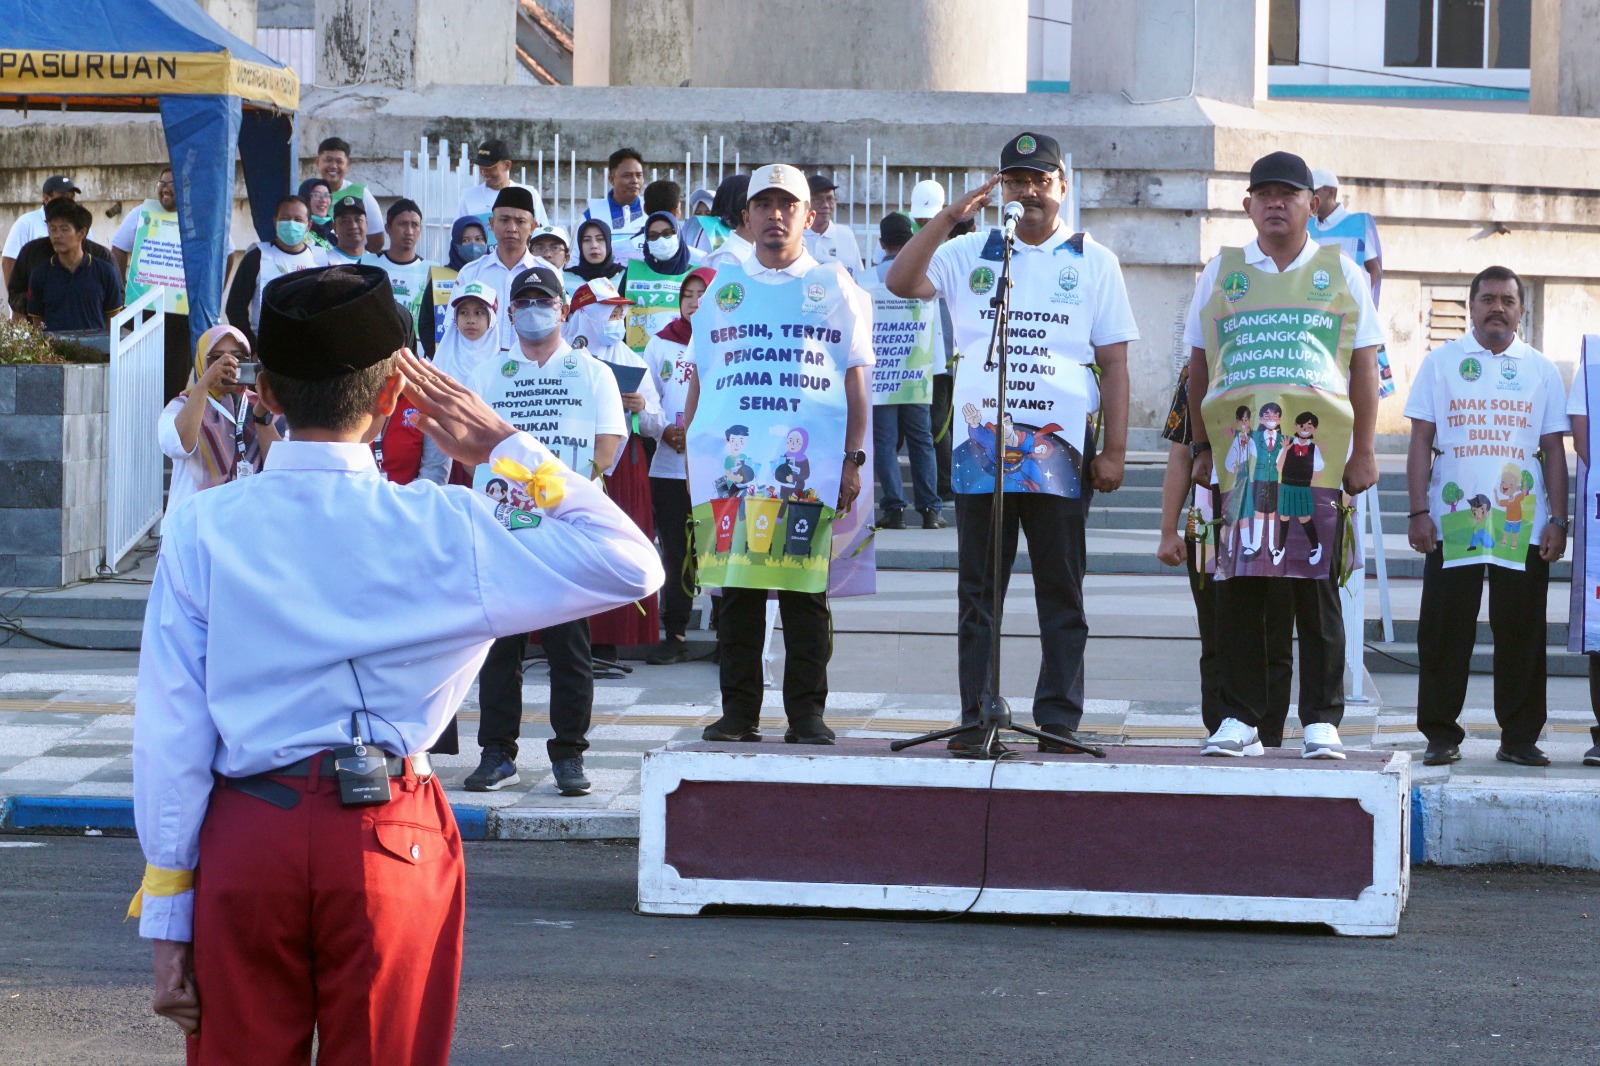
<point x="514" y="196"/>
<point x="1284" y="168"/>
<point x="1032" y="151"/>
<point x="329" y="321"/>
<point x="491" y="152"/>
<point x="541" y="280"/>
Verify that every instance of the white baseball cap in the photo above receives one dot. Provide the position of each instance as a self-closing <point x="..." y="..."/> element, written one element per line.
<point x="1323" y="179"/>
<point x="780" y="176"/>
<point x="552" y="231"/>
<point x="478" y="291"/>
<point x="927" y="199"/>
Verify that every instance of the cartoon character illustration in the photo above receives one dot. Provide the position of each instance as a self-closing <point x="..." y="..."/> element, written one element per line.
<point x="1298" y="463"/>
<point x="1480" y="524"/>
<point x="737" y="473"/>
<point x="1020" y="470"/>
<point x="1267" y="444"/>
<point x="1516" y="485"/>
<point x="793" y="467"/>
<point x="499" y="491"/>
<point x="1236" y="506"/>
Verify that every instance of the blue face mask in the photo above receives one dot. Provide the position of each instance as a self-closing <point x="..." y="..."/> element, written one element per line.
<point x="535" y="323"/>
<point x="291" y="233"/>
<point x="616" y="329"/>
<point x="469" y="252"/>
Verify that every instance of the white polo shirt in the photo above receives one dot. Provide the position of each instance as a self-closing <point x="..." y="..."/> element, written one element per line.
<point x="838" y="245"/>
<point x="28" y="227"/>
<point x="491" y="271"/>
<point x="479" y="200"/>
<point x="1369" y="331"/>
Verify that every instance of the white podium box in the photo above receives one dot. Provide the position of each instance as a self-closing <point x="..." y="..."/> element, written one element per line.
<point x="1149" y="832"/>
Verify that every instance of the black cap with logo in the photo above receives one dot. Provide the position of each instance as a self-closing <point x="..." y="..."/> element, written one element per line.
<point x="492" y="152"/>
<point x="538" y="280"/>
<point x="1032" y="151"/>
<point x="1284" y="168"/>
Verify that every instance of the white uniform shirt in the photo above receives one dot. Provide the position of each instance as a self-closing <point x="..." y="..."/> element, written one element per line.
<point x="733" y="250"/>
<point x="601" y="413"/>
<point x="479" y="200"/>
<point x="673" y="368"/>
<point x="838" y="245"/>
<point x="1369" y="331"/>
<point x="29" y="227"/>
<point x="491" y="271"/>
<point x="257" y="631"/>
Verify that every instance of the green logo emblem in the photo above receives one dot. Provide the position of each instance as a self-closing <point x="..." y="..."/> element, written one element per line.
<point x="1471" y="369"/>
<point x="815" y="293"/>
<point x="1068" y="279"/>
<point x="666" y="370"/>
<point x="1320" y="280"/>
<point x="981" y="280"/>
<point x="1026" y="145"/>
<point x="1235" y="285"/>
<point x="1508" y="369"/>
<point x="524" y="520"/>
<point x="571" y="361"/>
<point x="730" y="296"/>
<point x="509" y="368"/>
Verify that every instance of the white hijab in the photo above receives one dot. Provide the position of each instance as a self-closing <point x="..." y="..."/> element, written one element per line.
<point x="589" y="325"/>
<point x="460" y="357"/>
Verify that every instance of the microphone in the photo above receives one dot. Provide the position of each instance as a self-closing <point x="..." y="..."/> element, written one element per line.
<point x="1012" y="213"/>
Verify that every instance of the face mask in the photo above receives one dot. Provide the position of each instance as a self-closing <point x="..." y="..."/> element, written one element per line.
<point x="616" y="329"/>
<point x="322" y="220"/>
<point x="534" y="323"/>
<point x="664" y="247"/>
<point x="469" y="252"/>
<point x="292" y="233"/>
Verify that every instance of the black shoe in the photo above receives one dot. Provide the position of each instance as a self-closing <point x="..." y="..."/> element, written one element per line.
<point x="1441" y="754"/>
<point x="671" y="650"/>
<point x="809" y="731"/>
<point x="725" y="731"/>
<point x="893" y="520"/>
<point x="968" y="743"/>
<point x="1592" y="756"/>
<point x="495" y="771"/>
<point x="570" y="779"/>
<point x="1522" y="755"/>
<point x="1059" y="730"/>
<point x="932" y="519"/>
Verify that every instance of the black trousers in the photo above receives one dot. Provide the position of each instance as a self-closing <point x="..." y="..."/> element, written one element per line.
<point x="178" y="355"/>
<point x="1280" y="655"/>
<point x="1054" y="527"/>
<point x="1246" y="629"/>
<point x="807" y="647"/>
<point x="1594" y="694"/>
<point x="1447" y="629"/>
<point x="566" y="646"/>
<point x="944" y="386"/>
<point x="669" y="498"/>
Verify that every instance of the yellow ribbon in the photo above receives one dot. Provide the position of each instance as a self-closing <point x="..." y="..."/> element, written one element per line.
<point x="159" y="882"/>
<point x="545" y="486"/>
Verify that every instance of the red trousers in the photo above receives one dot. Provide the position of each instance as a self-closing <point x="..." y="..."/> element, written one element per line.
<point x="345" y="921"/>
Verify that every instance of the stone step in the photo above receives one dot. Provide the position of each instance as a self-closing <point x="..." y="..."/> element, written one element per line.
<point x="1401" y="658"/>
<point x="95" y="601"/>
<point x="98" y="634"/>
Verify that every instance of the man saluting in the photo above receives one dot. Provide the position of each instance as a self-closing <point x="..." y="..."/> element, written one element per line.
<point x="305" y="872"/>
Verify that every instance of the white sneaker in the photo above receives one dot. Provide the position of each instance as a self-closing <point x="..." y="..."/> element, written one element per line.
<point x="1233" y="738"/>
<point x="1322" y="742"/>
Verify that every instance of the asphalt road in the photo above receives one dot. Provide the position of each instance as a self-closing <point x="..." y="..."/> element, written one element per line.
<point x="1492" y="965"/>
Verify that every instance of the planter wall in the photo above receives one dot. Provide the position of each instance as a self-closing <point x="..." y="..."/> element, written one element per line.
<point x="52" y="473"/>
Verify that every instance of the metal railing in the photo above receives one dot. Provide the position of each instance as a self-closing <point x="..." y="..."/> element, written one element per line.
<point x="133" y="453"/>
<point x="869" y="186"/>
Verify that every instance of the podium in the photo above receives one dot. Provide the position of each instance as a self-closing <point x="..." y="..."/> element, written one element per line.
<point x="1149" y="832"/>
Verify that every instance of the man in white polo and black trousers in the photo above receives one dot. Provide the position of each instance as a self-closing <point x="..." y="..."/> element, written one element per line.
<point x="1070" y="328"/>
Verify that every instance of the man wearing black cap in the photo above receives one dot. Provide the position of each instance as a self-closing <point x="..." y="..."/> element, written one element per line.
<point x="31" y="226"/>
<point x="1068" y="360"/>
<point x="289" y="899"/>
<point x="513" y="223"/>
<point x="350" y="231"/>
<point x="1286" y="328"/>
<point x="829" y="241"/>
<point x="571" y="401"/>
<point x="494" y="167"/>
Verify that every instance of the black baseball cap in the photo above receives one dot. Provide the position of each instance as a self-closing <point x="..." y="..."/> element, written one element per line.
<point x="491" y="152"/>
<point x="60" y="184"/>
<point x="1031" y="151"/>
<point x="541" y="280"/>
<point x="350" y="205"/>
<point x="895" y="228"/>
<point x="820" y="183"/>
<point x="1285" y="168"/>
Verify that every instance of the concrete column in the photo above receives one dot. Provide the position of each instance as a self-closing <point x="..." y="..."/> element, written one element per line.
<point x="651" y="42"/>
<point x="960" y="45"/>
<point x="1164" y="49"/>
<point x="591" y="42"/>
<point x="413" y="43"/>
<point x="1564" y="78"/>
<point x="238" y="17"/>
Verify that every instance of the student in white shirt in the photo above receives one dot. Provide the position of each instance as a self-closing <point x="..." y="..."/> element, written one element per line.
<point x="512" y="223"/>
<point x="827" y="240"/>
<point x="494" y="167"/>
<point x="288" y="612"/>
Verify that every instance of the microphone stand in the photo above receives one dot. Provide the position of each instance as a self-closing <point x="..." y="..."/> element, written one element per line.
<point x="995" y="714"/>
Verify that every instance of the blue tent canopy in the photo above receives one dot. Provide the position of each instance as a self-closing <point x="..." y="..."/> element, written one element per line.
<point x="215" y="94"/>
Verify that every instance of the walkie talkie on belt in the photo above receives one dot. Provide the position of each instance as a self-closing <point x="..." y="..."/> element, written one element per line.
<point x="363" y="772"/>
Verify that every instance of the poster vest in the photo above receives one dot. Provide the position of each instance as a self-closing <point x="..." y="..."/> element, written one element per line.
<point x="157" y="259"/>
<point x="903" y="338"/>
<point x="655" y="301"/>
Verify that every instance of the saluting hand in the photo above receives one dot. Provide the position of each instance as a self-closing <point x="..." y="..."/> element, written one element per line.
<point x="464" y="427"/>
<point x="176" y="997"/>
<point x="973" y="202"/>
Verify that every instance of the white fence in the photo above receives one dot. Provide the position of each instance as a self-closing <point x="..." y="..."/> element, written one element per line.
<point x="869" y="186"/>
<point x="133" y="454"/>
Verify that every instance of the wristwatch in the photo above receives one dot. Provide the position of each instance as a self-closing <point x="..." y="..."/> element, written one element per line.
<point x="1199" y="447"/>
<point x="1559" y="523"/>
<point x="857" y="457"/>
<point x="261" y="420"/>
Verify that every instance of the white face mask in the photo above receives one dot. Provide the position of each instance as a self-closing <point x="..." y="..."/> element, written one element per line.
<point x="664" y="247"/>
<point x="616" y="329"/>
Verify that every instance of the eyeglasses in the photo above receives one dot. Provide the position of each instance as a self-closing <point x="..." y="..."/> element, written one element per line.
<point x="1037" y="180"/>
<point x="544" y="304"/>
<point x="165" y="185"/>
